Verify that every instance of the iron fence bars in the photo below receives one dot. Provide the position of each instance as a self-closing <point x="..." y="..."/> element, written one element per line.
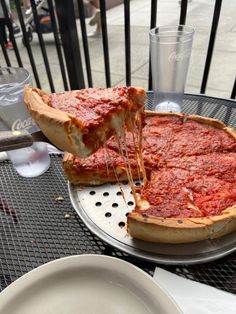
<point x="152" y="25"/>
<point x="70" y="63"/>
<point x="57" y="43"/>
<point x="5" y="54"/>
<point x="153" y="19"/>
<point x="85" y="42"/>
<point x="70" y="42"/>
<point x="105" y="42"/>
<point x="127" y="42"/>
<point x="42" y="45"/>
<point x="26" y="42"/>
<point x="4" y="50"/>
<point x="11" y="32"/>
<point x="183" y="12"/>
<point x="215" y="21"/>
<point x="233" y="94"/>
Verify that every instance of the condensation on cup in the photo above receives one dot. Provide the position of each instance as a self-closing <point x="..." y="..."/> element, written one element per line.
<point x="30" y="161"/>
<point x="170" y="48"/>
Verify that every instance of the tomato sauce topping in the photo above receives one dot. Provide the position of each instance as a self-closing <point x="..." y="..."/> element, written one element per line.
<point x="219" y="165"/>
<point x="192" y="167"/>
<point x="104" y="158"/>
<point x="92" y="106"/>
<point x="199" y="139"/>
<point x="178" y="193"/>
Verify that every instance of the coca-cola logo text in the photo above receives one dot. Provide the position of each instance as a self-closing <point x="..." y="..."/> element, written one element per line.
<point x="22" y="125"/>
<point x="175" y="57"/>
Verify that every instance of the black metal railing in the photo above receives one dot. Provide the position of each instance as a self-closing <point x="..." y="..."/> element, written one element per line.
<point x="215" y="22"/>
<point x="26" y="39"/>
<point x="27" y="44"/>
<point x="70" y="42"/>
<point x="74" y="64"/>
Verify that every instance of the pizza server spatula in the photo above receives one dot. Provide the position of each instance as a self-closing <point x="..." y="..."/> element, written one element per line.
<point x="10" y="140"/>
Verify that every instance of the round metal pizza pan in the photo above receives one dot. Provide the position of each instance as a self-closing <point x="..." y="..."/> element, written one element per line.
<point x="104" y="209"/>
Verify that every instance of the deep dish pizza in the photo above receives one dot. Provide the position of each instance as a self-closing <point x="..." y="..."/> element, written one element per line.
<point x="81" y="121"/>
<point x="190" y="189"/>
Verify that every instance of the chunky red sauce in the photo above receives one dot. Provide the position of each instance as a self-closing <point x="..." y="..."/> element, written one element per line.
<point x="92" y="106"/>
<point x="179" y="193"/>
<point x="104" y="159"/>
<point x="185" y="139"/>
<point x="218" y="165"/>
<point x="191" y="167"/>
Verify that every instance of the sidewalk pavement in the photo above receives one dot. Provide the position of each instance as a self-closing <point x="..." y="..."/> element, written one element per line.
<point x="200" y="13"/>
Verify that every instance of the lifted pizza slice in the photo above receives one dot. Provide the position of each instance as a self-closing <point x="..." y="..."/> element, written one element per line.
<point x="81" y="121"/>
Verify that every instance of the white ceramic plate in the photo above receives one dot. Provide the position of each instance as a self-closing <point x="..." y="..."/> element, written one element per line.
<point x="86" y="284"/>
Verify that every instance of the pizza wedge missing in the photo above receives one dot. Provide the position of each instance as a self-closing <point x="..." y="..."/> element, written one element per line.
<point x="81" y="121"/>
<point x="190" y="193"/>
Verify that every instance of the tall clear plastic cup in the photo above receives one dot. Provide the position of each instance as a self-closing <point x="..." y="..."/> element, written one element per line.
<point x="170" y="48"/>
<point x="14" y="115"/>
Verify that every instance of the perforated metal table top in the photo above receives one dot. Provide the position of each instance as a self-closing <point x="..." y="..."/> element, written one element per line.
<point x="38" y="223"/>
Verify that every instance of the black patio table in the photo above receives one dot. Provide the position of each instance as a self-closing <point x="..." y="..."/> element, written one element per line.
<point x="38" y="223"/>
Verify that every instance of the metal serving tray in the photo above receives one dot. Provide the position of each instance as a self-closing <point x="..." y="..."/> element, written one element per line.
<point x="103" y="209"/>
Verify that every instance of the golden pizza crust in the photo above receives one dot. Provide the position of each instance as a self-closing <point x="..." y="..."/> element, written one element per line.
<point x="56" y="125"/>
<point x="205" y="120"/>
<point x="212" y="122"/>
<point x="200" y="119"/>
<point x="65" y="130"/>
<point x="181" y="230"/>
<point x="150" y="113"/>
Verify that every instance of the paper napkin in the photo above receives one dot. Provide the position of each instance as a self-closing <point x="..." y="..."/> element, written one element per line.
<point x="53" y="150"/>
<point x="193" y="297"/>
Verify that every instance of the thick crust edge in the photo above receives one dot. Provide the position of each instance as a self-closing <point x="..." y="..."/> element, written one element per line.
<point x="56" y="125"/>
<point x="150" y="113"/>
<point x="181" y="230"/>
<point x="201" y="119"/>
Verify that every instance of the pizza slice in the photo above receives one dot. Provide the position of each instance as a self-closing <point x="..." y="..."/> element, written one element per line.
<point x="81" y="121"/>
<point x="104" y="166"/>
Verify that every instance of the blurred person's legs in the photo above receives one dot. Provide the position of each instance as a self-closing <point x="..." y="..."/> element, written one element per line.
<point x="96" y="19"/>
<point x="10" y="32"/>
<point x="3" y="23"/>
<point x="3" y="32"/>
<point x="27" y="7"/>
